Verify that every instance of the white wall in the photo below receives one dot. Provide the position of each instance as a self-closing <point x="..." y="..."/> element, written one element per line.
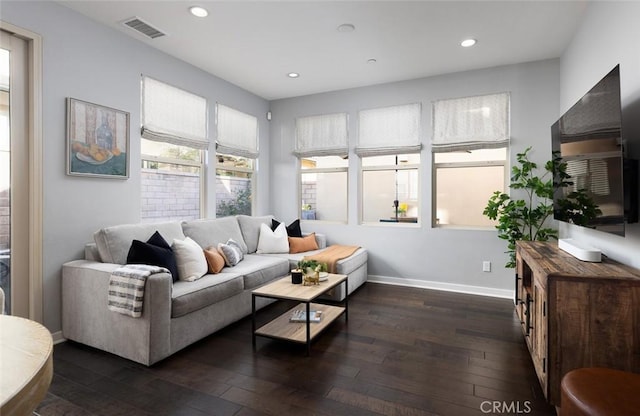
<point x="607" y="36"/>
<point x="88" y="61"/>
<point x="422" y="253"/>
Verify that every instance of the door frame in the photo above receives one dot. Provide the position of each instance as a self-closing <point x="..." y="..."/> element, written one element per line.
<point x="34" y="52"/>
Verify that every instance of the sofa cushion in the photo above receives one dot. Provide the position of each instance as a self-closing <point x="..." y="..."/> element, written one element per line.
<point x="187" y="297"/>
<point x="293" y="229"/>
<point x="258" y="269"/>
<point x="273" y="241"/>
<point x="192" y="264"/>
<point x="156" y="252"/>
<point x="250" y="227"/>
<point x="214" y="260"/>
<point x="302" y="244"/>
<point x="231" y="253"/>
<point x="344" y="266"/>
<point x="114" y="242"/>
<point x="211" y="232"/>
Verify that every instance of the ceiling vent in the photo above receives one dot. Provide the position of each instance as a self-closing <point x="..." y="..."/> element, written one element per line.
<point x="143" y="27"/>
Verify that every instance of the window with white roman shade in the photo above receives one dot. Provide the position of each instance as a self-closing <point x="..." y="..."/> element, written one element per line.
<point x="471" y="123"/>
<point x="323" y="135"/>
<point x="237" y="133"/>
<point x="389" y="130"/>
<point x="172" y="115"/>
<point x="470" y="140"/>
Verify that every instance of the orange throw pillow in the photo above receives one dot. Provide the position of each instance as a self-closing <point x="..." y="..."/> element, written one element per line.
<point x="214" y="260"/>
<point x="302" y="244"/>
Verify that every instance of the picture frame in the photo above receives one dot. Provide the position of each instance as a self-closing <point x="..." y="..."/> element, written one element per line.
<point x="97" y="140"/>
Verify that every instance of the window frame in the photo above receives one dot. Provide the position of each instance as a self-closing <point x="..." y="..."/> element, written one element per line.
<point x="184" y="162"/>
<point x="302" y="171"/>
<point x="452" y="165"/>
<point x="381" y="168"/>
<point x="251" y="171"/>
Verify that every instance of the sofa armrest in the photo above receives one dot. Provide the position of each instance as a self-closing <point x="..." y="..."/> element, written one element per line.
<point x="86" y="318"/>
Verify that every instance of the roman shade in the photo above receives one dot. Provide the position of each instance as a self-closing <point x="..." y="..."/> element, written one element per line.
<point x="172" y="115"/>
<point x="322" y="135"/>
<point x="471" y="123"/>
<point x="237" y="133"/>
<point x="389" y="130"/>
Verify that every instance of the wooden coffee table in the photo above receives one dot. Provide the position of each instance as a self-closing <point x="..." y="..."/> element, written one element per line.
<point x="299" y="332"/>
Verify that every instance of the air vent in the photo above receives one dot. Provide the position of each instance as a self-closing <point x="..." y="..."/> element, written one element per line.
<point x="143" y="27"/>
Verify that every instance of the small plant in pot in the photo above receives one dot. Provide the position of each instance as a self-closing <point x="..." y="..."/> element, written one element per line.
<point x="312" y="266"/>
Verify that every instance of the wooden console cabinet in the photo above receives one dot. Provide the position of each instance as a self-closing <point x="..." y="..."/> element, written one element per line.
<point x="575" y="314"/>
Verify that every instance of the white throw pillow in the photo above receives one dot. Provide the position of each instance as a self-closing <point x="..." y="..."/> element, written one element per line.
<point x="275" y="241"/>
<point x="192" y="264"/>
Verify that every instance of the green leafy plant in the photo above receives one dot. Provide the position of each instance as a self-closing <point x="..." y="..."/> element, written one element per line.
<point x="313" y="265"/>
<point x="524" y="219"/>
<point x="241" y="204"/>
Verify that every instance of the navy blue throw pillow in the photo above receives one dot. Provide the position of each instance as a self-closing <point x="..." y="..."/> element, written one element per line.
<point x="155" y="252"/>
<point x="293" y="229"/>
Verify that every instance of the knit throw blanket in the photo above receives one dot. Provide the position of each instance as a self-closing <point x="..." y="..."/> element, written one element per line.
<point x="126" y="288"/>
<point x="332" y="255"/>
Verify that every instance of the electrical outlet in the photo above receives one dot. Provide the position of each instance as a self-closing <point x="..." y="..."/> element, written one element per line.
<point x="486" y="266"/>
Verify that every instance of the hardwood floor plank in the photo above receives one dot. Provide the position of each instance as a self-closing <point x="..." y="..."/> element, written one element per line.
<point x="404" y="351"/>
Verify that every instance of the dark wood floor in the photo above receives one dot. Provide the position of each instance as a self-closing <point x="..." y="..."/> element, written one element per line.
<point x="404" y="351"/>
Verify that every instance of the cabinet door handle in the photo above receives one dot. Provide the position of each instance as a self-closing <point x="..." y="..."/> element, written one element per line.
<point x="517" y="278"/>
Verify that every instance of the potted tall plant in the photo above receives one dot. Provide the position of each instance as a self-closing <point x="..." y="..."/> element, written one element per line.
<point x="524" y="219"/>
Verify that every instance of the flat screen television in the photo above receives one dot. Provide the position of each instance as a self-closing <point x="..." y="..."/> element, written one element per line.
<point x="595" y="186"/>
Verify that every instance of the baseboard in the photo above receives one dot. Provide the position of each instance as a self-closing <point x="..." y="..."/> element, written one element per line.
<point x="448" y="287"/>
<point x="57" y="337"/>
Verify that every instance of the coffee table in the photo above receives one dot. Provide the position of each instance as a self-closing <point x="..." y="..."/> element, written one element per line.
<point x="299" y="332"/>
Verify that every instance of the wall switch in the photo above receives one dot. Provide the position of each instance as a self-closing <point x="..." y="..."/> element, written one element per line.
<point x="486" y="266"/>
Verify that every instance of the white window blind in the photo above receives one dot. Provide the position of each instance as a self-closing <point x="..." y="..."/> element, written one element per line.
<point x="324" y="135"/>
<point x="471" y="123"/>
<point x="237" y="133"/>
<point x="389" y="130"/>
<point x="172" y="115"/>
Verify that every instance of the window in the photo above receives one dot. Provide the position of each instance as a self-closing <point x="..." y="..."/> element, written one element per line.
<point x="470" y="147"/>
<point x="323" y="188"/>
<point x="389" y="146"/>
<point x="173" y="145"/>
<point x="236" y="154"/>
<point x="322" y="147"/>
<point x="386" y="179"/>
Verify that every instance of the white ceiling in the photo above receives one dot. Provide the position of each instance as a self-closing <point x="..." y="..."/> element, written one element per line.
<point x="254" y="44"/>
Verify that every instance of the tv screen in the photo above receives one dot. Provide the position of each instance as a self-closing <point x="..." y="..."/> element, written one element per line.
<point x="588" y="152"/>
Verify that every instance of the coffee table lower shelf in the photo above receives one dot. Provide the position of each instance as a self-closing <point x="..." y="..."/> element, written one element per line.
<point x="283" y="329"/>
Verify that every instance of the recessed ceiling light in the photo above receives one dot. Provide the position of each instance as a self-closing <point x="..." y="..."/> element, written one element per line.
<point x="346" y="27"/>
<point x="293" y="75"/>
<point x="198" y="11"/>
<point x="372" y="61"/>
<point x="468" y="42"/>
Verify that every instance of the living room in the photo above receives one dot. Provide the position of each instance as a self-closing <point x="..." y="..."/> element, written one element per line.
<point x="95" y="63"/>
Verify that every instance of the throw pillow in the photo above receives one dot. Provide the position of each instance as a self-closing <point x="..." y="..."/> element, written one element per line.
<point x="293" y="229"/>
<point x="214" y="260"/>
<point x="233" y="243"/>
<point x="272" y="241"/>
<point x="155" y="252"/>
<point x="232" y="254"/>
<point x="192" y="264"/>
<point x="302" y="244"/>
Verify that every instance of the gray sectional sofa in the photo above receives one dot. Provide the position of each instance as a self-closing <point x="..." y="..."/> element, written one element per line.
<point x="176" y="314"/>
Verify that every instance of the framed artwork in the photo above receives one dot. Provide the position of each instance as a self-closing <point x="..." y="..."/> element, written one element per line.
<point x="97" y="140"/>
